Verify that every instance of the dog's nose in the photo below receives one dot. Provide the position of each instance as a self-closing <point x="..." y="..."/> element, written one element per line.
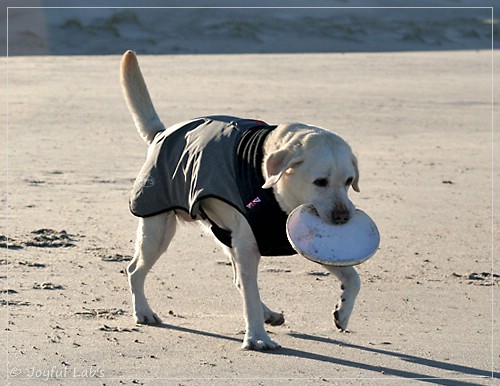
<point x="340" y="216"/>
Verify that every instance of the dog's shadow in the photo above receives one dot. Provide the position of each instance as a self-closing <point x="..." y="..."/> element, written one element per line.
<point x="468" y="372"/>
<point x="195" y="332"/>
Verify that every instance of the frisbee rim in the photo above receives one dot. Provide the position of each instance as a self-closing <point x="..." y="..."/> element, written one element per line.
<point x="332" y="262"/>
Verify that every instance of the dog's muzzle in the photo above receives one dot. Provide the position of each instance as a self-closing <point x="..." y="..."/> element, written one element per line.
<point x="340" y="215"/>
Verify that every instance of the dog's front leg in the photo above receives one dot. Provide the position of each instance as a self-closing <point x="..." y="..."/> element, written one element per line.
<point x="350" y="283"/>
<point x="245" y="262"/>
<point x="270" y="317"/>
<point x="245" y="257"/>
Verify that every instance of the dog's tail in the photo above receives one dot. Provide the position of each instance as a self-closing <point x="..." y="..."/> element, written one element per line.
<point x="137" y="97"/>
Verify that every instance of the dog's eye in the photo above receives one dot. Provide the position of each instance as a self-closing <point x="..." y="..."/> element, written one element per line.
<point x="349" y="181"/>
<point x="321" y="182"/>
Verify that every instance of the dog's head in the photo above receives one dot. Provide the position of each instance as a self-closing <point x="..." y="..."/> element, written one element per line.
<point x="312" y="165"/>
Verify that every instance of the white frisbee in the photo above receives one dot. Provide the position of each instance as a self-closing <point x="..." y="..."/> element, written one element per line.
<point x="343" y="245"/>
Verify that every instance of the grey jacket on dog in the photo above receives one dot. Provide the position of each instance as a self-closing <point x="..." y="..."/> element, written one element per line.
<point x="191" y="161"/>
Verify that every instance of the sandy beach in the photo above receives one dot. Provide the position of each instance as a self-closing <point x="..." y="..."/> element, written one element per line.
<point x="411" y="89"/>
<point x="421" y="126"/>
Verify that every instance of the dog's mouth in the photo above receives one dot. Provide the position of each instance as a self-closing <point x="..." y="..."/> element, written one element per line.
<point x="340" y="215"/>
<point x="312" y="209"/>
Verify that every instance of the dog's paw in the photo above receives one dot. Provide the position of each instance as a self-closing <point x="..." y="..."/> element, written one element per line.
<point x="341" y="325"/>
<point x="341" y="317"/>
<point x="259" y="344"/>
<point x="147" y="318"/>
<point x="274" y="318"/>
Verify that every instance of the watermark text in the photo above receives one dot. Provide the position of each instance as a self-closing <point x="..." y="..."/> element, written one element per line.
<point x="57" y="372"/>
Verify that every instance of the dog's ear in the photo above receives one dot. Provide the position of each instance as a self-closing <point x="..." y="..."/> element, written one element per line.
<point x="278" y="163"/>
<point x="355" y="182"/>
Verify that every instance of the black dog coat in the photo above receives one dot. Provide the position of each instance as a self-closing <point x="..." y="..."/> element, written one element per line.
<point x="192" y="161"/>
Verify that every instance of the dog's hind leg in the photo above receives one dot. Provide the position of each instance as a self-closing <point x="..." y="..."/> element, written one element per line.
<point x="153" y="237"/>
<point x="271" y="317"/>
<point x="350" y="283"/>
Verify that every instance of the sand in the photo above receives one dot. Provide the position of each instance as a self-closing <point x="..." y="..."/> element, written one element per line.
<point x="421" y="125"/>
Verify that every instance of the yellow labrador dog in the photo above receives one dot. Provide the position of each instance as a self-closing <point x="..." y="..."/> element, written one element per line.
<point x="241" y="177"/>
